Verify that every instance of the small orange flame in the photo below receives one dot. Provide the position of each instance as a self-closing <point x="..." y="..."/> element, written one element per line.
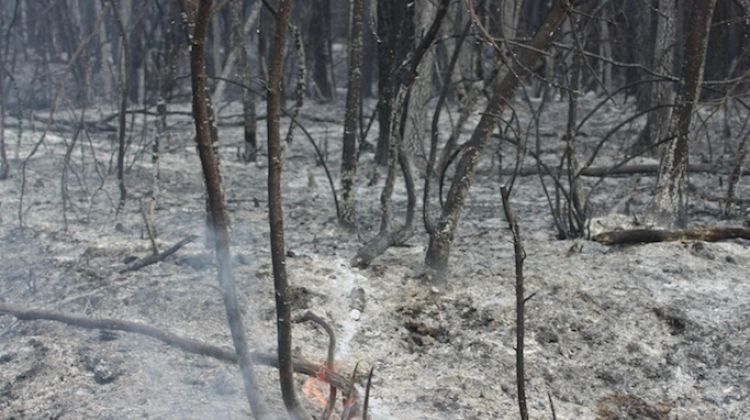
<point x="315" y="390"/>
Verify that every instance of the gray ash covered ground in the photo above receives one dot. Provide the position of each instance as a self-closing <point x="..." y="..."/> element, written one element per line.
<point x="649" y="331"/>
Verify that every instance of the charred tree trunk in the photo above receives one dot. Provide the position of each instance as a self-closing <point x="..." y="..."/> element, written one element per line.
<point x="605" y="50"/>
<point x="502" y="91"/>
<point x="299" y="90"/>
<point x="642" y="50"/>
<point x="369" y="48"/>
<point x="396" y="33"/>
<point x="249" y="152"/>
<point x="4" y="168"/>
<point x="657" y="124"/>
<point x="236" y="31"/>
<point x="137" y="47"/>
<point x="351" y="119"/>
<point x="264" y="28"/>
<point x="197" y="26"/>
<point x="389" y="23"/>
<point x="669" y="205"/>
<point x="172" y="49"/>
<point x="102" y="54"/>
<point x="214" y="35"/>
<point x="404" y="79"/>
<point x="576" y="205"/>
<point x="276" y="215"/>
<point x="124" y="89"/>
<point x="416" y="117"/>
<point x="481" y="14"/>
<point x="431" y="175"/>
<point x="319" y="35"/>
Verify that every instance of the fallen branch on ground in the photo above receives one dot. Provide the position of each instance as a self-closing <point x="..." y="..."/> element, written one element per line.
<point x="716" y="199"/>
<point x="635" y="236"/>
<point x="647" y="169"/>
<point x="185" y="344"/>
<point x="154" y="258"/>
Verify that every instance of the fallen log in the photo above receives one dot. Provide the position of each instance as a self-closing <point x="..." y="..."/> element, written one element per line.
<point x="320" y="371"/>
<point x="154" y="258"/>
<point x="637" y="236"/>
<point x="625" y="170"/>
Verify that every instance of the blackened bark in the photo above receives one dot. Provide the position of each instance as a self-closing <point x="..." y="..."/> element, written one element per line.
<point x="276" y="215"/>
<point x="4" y="168"/>
<point x="351" y="119"/>
<point x="438" y="251"/>
<point x="249" y="153"/>
<point x="668" y="206"/>
<point x="642" y="236"/>
<point x="299" y="91"/>
<point x="642" y="48"/>
<point x="124" y="89"/>
<point x="173" y="47"/>
<point x="264" y="27"/>
<point x="389" y="24"/>
<point x="657" y="124"/>
<point x="520" y="256"/>
<point x="430" y="173"/>
<point x="605" y="50"/>
<point x="576" y="206"/>
<point x="319" y="34"/>
<point x="197" y="27"/>
<point x="404" y="79"/>
<point x="369" y="51"/>
<point x="478" y="46"/>
<point x="161" y="135"/>
<point x="421" y="92"/>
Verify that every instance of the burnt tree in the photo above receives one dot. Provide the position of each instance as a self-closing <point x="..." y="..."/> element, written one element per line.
<point x="404" y="79"/>
<point x="669" y="205"/>
<point x="4" y="169"/>
<point x="390" y="19"/>
<point x="276" y="215"/>
<point x="318" y="36"/>
<point x="249" y="151"/>
<point x="657" y="125"/>
<point x="124" y="89"/>
<point x="351" y="119"/>
<point x="197" y="20"/>
<point x="502" y="92"/>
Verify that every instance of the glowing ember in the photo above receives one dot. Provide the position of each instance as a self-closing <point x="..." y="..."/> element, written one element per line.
<point x="315" y="390"/>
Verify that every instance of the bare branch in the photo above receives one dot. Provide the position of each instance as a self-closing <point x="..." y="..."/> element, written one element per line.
<point x="187" y="345"/>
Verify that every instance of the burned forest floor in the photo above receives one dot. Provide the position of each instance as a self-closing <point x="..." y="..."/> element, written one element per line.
<point x="649" y="331"/>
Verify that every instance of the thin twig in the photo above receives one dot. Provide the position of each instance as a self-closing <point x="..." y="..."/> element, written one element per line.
<point x="520" y="255"/>
<point x="551" y="405"/>
<point x="149" y="228"/>
<point x="350" y="408"/>
<point x="367" y="395"/>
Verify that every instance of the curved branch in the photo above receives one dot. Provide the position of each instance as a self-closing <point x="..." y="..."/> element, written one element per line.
<point x="187" y="345"/>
